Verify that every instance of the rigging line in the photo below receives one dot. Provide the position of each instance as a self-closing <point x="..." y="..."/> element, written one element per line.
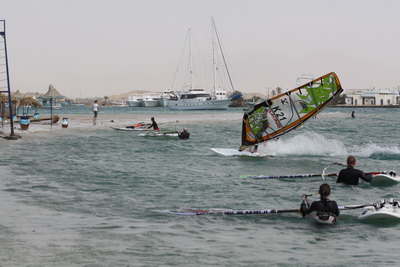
<point x="181" y="56"/>
<point x="222" y="53"/>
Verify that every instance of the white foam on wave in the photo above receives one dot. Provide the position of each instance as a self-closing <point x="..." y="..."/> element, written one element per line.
<point x="314" y="144"/>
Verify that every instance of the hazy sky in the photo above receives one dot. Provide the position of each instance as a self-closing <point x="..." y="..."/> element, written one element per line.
<point x="101" y="48"/>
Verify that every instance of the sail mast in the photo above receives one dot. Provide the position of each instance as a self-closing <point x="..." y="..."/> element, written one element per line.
<point x="190" y="60"/>
<point x="214" y="63"/>
<point x="7" y="79"/>
<point x="222" y="53"/>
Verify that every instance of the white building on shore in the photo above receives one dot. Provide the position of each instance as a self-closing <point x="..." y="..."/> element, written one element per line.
<point x="372" y="97"/>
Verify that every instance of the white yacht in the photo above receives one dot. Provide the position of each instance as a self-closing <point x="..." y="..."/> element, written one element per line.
<point x="165" y="97"/>
<point x="196" y="99"/>
<point x="149" y="101"/>
<point x="134" y="101"/>
<point x="193" y="97"/>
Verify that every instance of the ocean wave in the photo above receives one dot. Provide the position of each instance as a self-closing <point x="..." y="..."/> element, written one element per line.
<point x="313" y="144"/>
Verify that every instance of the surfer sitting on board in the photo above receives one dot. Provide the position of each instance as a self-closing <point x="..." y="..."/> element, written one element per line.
<point x="350" y="175"/>
<point x="326" y="209"/>
<point x="153" y="124"/>
<point x="184" y="134"/>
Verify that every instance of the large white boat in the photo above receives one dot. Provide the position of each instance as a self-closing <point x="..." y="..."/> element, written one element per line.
<point x="149" y="101"/>
<point x="134" y="101"/>
<point x="165" y="97"/>
<point x="195" y="97"/>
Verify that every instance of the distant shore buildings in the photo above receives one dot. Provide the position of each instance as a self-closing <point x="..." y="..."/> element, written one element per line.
<point x="372" y="97"/>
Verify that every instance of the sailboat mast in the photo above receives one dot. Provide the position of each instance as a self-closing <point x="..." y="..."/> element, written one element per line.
<point x="190" y="60"/>
<point x="214" y="63"/>
<point x="222" y="54"/>
<point x="8" y="87"/>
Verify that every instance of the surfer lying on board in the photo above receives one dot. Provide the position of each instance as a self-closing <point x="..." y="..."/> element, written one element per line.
<point x="153" y="124"/>
<point x="350" y="175"/>
<point x="327" y="210"/>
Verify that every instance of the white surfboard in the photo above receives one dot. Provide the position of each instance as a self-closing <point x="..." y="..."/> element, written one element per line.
<point x="168" y="133"/>
<point x="384" y="179"/>
<point x="131" y="129"/>
<point x="235" y="152"/>
<point x="385" y="214"/>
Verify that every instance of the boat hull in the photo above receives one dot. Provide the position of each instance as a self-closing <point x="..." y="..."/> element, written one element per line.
<point x="182" y="104"/>
<point x="133" y="103"/>
<point x="149" y="103"/>
<point x="163" y="102"/>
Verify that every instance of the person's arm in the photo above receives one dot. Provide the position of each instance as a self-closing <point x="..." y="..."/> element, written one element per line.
<point x="339" y="178"/>
<point x="367" y="178"/>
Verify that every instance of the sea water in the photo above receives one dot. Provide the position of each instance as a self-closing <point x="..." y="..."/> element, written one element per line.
<point x="89" y="195"/>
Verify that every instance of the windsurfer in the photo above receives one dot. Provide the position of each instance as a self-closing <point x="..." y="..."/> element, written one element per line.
<point x="325" y="208"/>
<point x="350" y="175"/>
<point x="153" y="124"/>
<point x="184" y="134"/>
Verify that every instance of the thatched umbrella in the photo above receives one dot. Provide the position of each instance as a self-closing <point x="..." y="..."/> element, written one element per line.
<point x="28" y="102"/>
<point x="16" y="96"/>
<point x="51" y="94"/>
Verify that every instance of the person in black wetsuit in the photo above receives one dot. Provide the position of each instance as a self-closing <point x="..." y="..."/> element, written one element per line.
<point x="153" y="124"/>
<point x="323" y="207"/>
<point x="184" y="134"/>
<point x="350" y="175"/>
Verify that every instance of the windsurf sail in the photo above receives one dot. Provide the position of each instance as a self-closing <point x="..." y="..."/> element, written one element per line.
<point x="279" y="115"/>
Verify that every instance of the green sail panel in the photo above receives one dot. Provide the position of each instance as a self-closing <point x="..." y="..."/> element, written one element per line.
<point x="281" y="114"/>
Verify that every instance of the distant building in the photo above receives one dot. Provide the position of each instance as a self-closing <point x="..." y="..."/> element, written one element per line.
<point x="372" y="97"/>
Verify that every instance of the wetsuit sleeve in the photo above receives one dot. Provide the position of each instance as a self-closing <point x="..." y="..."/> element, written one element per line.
<point x="340" y="177"/>
<point x="368" y="178"/>
<point x="312" y="207"/>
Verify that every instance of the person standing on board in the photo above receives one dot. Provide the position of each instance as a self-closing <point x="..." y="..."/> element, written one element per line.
<point x="350" y="175"/>
<point x="324" y="207"/>
<point x="153" y="124"/>
<point x="96" y="111"/>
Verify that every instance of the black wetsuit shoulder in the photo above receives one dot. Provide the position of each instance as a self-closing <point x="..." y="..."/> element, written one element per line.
<point x="324" y="206"/>
<point x="351" y="176"/>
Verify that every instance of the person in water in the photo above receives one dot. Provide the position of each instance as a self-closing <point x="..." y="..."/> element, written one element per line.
<point x="324" y="207"/>
<point x="96" y="111"/>
<point x="153" y="124"/>
<point x="352" y="114"/>
<point x="350" y="175"/>
<point x="184" y="134"/>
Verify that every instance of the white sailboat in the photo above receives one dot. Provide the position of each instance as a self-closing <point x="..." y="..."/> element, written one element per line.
<point x="195" y="97"/>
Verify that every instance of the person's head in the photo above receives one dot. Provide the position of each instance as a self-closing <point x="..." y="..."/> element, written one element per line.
<point x="185" y="129"/>
<point x="351" y="161"/>
<point x="324" y="190"/>
<point x="152" y="118"/>
<point x="95" y="101"/>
